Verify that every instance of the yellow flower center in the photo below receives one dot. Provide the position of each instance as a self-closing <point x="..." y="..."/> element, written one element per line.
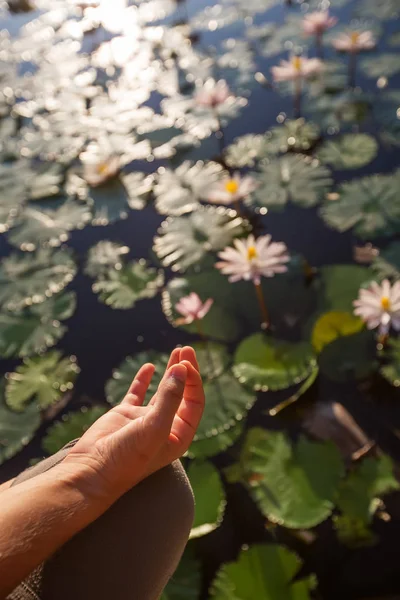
<point x="296" y="62"/>
<point x="231" y="186"/>
<point x="102" y="168"/>
<point x="251" y="252"/>
<point x="385" y="303"/>
<point x="354" y="37"/>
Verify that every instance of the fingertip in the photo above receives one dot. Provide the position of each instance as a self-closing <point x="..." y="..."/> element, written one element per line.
<point x="189" y="354"/>
<point x="178" y="372"/>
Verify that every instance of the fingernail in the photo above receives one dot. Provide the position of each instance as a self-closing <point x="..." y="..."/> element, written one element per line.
<point x="178" y="373"/>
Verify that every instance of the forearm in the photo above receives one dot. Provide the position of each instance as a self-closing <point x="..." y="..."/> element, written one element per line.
<point x="37" y="517"/>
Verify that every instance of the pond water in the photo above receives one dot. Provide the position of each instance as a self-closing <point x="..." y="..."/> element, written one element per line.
<point x="105" y="111"/>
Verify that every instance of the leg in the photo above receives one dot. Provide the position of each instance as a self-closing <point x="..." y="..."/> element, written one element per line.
<point x="130" y="552"/>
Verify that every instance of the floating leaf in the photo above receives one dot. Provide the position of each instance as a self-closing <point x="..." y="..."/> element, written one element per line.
<point x="264" y="363"/>
<point x="209" y="498"/>
<point x="27" y="279"/>
<point x="117" y="387"/>
<point x="294" y="486"/>
<point x="384" y="65"/>
<point x="47" y="181"/>
<point x="110" y="202"/>
<point x="48" y="226"/>
<point x="227" y="403"/>
<point x="381" y="10"/>
<point x="104" y="256"/>
<point x="210" y="446"/>
<point x="138" y="186"/>
<point x="213" y="358"/>
<point x="246" y="150"/>
<point x="72" y="426"/>
<point x="184" y="241"/>
<point x="338" y="285"/>
<point x="353" y="533"/>
<point x="35" y="328"/>
<point x="16" y="429"/>
<point x="387" y="263"/>
<point x="293" y="177"/>
<point x="350" y="151"/>
<point x="350" y="357"/>
<point x="43" y="378"/>
<point x="296" y="134"/>
<point x="135" y="281"/>
<point x="391" y="369"/>
<point x="333" y="325"/>
<point x="185" y="583"/>
<point x="265" y="572"/>
<point x="370" y="205"/>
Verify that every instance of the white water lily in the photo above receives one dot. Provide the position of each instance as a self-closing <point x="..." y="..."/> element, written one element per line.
<point x="316" y="23"/>
<point x="97" y="173"/>
<point x="354" y="41"/>
<point x="253" y="258"/>
<point x="213" y="93"/>
<point x="231" y="189"/>
<point x="297" y="68"/>
<point x="379" y="306"/>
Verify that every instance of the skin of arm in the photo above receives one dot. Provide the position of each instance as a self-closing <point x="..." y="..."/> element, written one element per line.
<point x="123" y="447"/>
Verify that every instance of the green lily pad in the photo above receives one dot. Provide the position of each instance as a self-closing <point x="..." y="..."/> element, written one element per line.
<point x="185" y="583"/>
<point x="104" y="256"/>
<point x="294" y="486"/>
<point x="35" y="328"/>
<point x="332" y="325"/>
<point x="16" y="429"/>
<point x="138" y="187"/>
<point x="350" y="357"/>
<point x="72" y="426"/>
<point x="109" y="202"/>
<point x="213" y="359"/>
<point x="264" y="363"/>
<point x="117" y="387"/>
<point x="380" y="10"/>
<point x="370" y="205"/>
<point x="247" y="149"/>
<point x="209" y="498"/>
<point x="43" y="378"/>
<point x="350" y="151"/>
<point x="210" y="446"/>
<point x="263" y="571"/>
<point x="46" y="182"/>
<point x="384" y="65"/>
<point x="27" y="279"/>
<point x="48" y="224"/>
<point x="387" y="263"/>
<point x="122" y="288"/>
<point x="293" y="177"/>
<point x="293" y="134"/>
<point x="227" y="403"/>
<point x="183" y="242"/>
<point x="391" y="355"/>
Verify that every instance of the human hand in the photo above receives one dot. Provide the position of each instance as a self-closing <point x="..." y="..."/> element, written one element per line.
<point x="131" y="441"/>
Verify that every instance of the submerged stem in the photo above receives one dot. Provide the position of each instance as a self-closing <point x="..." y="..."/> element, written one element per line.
<point x="219" y="134"/>
<point x="263" y="307"/>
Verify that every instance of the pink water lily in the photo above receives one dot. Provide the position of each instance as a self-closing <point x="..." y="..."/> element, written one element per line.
<point x="253" y="258"/>
<point x="379" y="306"/>
<point x="354" y="41"/>
<point x="316" y="23"/>
<point x="213" y="93"/>
<point x="192" y="308"/>
<point x="231" y="189"/>
<point x="297" y="69"/>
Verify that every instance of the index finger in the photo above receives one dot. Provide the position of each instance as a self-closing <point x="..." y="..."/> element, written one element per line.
<point x="188" y="353"/>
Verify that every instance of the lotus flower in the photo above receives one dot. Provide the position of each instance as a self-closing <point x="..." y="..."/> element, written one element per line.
<point x="379" y="306"/>
<point x="97" y="173"/>
<point x="297" y="69"/>
<point x="231" y="189"/>
<point x="192" y="309"/>
<point x="253" y="258"/>
<point x="316" y="23"/>
<point x="354" y="41"/>
<point x="213" y="93"/>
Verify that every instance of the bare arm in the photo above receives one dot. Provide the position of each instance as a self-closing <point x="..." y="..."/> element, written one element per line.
<point x="123" y="447"/>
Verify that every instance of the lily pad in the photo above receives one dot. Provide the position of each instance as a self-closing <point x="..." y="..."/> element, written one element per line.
<point x="294" y="486"/>
<point x="391" y="367"/>
<point x="382" y="10"/>
<point x="332" y="325"/>
<point x="43" y="378"/>
<point x="35" y="328"/>
<point x="48" y="225"/>
<point x="350" y="357"/>
<point x="265" y="572"/>
<point x="387" y="263"/>
<point x="104" y="256"/>
<point x="213" y="358"/>
<point x="246" y="150"/>
<point x="138" y="187"/>
<point x="184" y="241"/>
<point x="264" y="363"/>
<point x="350" y="151"/>
<point x="27" y="279"/>
<point x="16" y="429"/>
<point x="227" y="403"/>
<point x="338" y="285"/>
<point x="296" y="178"/>
<point x="370" y="205"/>
<point x="109" y="202"/>
<point x="293" y="134"/>
<point x="117" y="387"/>
<point x="209" y="498"/>
<point x="210" y="446"/>
<point x="122" y="288"/>
<point x="384" y="65"/>
<point x="185" y="584"/>
<point x="73" y="425"/>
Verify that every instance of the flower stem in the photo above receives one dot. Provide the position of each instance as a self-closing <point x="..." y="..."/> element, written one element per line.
<point x="263" y="307"/>
<point x="352" y="69"/>
<point x="319" y="46"/>
<point x="219" y="134"/>
<point x="238" y="209"/>
<point x="297" y="98"/>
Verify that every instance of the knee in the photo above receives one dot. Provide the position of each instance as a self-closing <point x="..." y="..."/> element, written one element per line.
<point x="176" y="492"/>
